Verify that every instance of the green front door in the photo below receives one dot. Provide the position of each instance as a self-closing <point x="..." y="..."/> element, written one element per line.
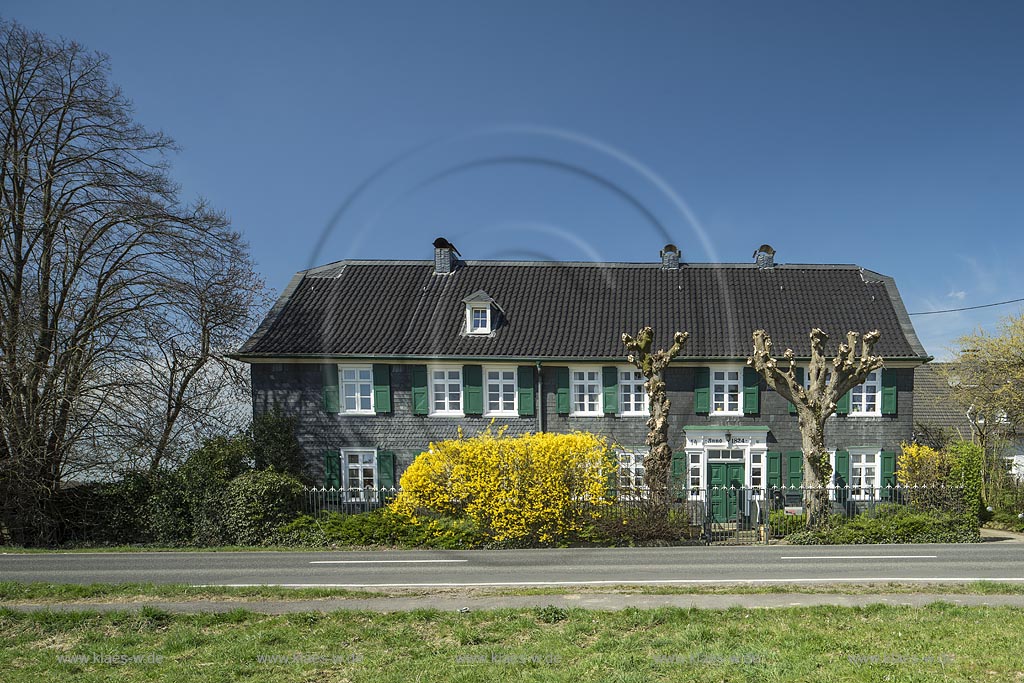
<point x="726" y="482"/>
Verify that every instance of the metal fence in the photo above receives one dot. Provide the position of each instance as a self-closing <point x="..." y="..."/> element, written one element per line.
<point x="726" y="515"/>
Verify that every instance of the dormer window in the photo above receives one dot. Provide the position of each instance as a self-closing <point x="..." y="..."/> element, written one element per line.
<point x="479" y="319"/>
<point x="481" y="313"/>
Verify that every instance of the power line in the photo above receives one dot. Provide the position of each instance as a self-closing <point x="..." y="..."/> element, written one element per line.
<point x="968" y="308"/>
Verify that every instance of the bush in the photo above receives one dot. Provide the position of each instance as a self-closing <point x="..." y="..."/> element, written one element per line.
<point x="381" y="527"/>
<point x="920" y="465"/>
<point x="892" y="523"/>
<point x="274" y="445"/>
<point x="640" y="523"/>
<point x="967" y="461"/>
<point x="258" y="503"/>
<point x="532" y="489"/>
<point x="782" y="524"/>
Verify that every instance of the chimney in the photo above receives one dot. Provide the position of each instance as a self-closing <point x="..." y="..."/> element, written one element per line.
<point x="444" y="257"/>
<point x="764" y="257"/>
<point x="670" y="257"/>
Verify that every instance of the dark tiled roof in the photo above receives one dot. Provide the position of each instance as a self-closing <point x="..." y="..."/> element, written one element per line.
<point x="576" y="310"/>
<point x="934" y="406"/>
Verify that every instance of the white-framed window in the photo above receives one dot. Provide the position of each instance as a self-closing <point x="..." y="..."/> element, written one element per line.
<point x="633" y="398"/>
<point x="585" y="389"/>
<point x="866" y="398"/>
<point x="500" y="391"/>
<point x="631" y="472"/>
<point x="478" y="319"/>
<point x="865" y="474"/>
<point x="359" y="472"/>
<point x="727" y="391"/>
<point x="356" y="388"/>
<point x="445" y="390"/>
<point x="757" y="474"/>
<point x="694" y="474"/>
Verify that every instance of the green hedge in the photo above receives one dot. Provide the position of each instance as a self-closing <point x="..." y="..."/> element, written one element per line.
<point x="379" y="528"/>
<point x="257" y="503"/>
<point x="893" y="524"/>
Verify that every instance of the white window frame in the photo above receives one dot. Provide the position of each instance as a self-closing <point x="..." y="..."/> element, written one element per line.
<point x="630" y="475"/>
<point x="342" y="382"/>
<point x="358" y="492"/>
<point x="725" y="382"/>
<point x="860" y="396"/>
<point x="865" y="489"/>
<point x="501" y="412"/>
<point x="471" y="311"/>
<point x="598" y="407"/>
<point x="447" y="411"/>
<point x="635" y="382"/>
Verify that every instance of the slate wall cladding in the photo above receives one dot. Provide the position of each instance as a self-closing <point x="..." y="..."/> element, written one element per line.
<point x="296" y="388"/>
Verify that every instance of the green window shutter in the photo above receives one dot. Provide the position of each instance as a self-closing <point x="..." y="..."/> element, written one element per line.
<point x="842" y="476"/>
<point x="381" y="388"/>
<point x="751" y="391"/>
<point x="799" y="372"/>
<point x="420" y="395"/>
<point x="562" y="403"/>
<point x="332" y="469"/>
<point x="679" y="482"/>
<point x="472" y="390"/>
<point x="331" y="390"/>
<point x="524" y="385"/>
<point x="774" y="469"/>
<point x="888" y="473"/>
<point x="613" y="479"/>
<point x="888" y="392"/>
<point x="794" y="469"/>
<point x="610" y="384"/>
<point x="843" y="405"/>
<point x="702" y="390"/>
<point x="385" y="474"/>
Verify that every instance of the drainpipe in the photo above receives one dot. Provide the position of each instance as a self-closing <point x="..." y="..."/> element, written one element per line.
<point x="538" y="399"/>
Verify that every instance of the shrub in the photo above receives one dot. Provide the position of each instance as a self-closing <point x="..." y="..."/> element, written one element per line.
<point x="782" y="524"/>
<point x="920" y="465"/>
<point x="640" y="523"/>
<point x="258" y="503"/>
<point x="967" y="462"/>
<point x="274" y="445"/>
<point x="381" y="527"/>
<point x="531" y="489"/>
<point x="893" y="524"/>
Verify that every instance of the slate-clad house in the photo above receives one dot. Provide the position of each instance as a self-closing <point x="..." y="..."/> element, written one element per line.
<point x="379" y="358"/>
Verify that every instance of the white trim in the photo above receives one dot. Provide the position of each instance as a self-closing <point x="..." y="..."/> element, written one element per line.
<point x="868" y="487"/>
<point x="725" y="382"/>
<point x="342" y="367"/>
<point x="514" y="411"/>
<point x="474" y="308"/>
<point x="645" y="401"/>
<point x="598" y="381"/>
<point x="346" y="484"/>
<point x="447" y="411"/>
<point x="752" y="444"/>
<point x="873" y="379"/>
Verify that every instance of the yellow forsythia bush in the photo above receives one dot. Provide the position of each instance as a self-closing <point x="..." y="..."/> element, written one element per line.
<point x="536" y="488"/>
<point x="920" y="465"/>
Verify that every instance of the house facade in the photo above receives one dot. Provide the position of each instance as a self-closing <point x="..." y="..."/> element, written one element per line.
<point x="378" y="359"/>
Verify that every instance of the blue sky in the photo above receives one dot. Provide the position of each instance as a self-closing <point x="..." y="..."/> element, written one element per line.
<point x="884" y="134"/>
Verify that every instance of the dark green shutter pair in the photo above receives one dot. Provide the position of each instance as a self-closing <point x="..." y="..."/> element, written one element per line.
<point x="610" y="390"/>
<point x="702" y="391"/>
<point x="381" y="388"/>
<point x="385" y="469"/>
<point x="842" y="474"/>
<point x="472" y="389"/>
<point x="843" y="404"/>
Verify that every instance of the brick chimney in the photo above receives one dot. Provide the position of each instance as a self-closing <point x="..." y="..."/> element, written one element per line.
<point x="445" y="254"/>
<point x="670" y="257"/>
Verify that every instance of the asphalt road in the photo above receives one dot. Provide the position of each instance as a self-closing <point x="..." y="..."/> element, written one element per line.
<point x="585" y="566"/>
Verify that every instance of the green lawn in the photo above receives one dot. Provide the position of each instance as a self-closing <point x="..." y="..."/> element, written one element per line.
<point x="937" y="643"/>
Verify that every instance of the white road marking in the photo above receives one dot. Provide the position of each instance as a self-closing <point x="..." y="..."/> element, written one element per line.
<point x="936" y="579"/>
<point x="382" y="561"/>
<point x="859" y="557"/>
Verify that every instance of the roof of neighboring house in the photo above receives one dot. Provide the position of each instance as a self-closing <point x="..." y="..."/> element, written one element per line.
<point x="570" y="310"/>
<point x="934" y="406"/>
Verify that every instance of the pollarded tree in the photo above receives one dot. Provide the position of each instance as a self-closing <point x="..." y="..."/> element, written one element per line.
<point x="828" y="381"/>
<point x="658" y="461"/>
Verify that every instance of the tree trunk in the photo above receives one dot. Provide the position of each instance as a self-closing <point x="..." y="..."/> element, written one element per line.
<point x="817" y="469"/>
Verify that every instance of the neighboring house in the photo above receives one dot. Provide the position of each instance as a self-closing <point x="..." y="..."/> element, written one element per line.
<point x="379" y="358"/>
<point x="938" y="418"/>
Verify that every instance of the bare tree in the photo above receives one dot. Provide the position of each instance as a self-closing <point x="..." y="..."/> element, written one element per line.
<point x="828" y="381"/>
<point x="658" y="461"/>
<point x="94" y="239"/>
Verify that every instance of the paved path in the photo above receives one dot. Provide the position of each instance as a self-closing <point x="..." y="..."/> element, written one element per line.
<point x="602" y="601"/>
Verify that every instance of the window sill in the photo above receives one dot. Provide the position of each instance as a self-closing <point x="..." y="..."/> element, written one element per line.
<point x="724" y="413"/>
<point x="447" y="414"/>
<point x="634" y="414"/>
<point x="864" y="415"/>
<point x="503" y="413"/>
<point x="357" y="412"/>
<point x="596" y="413"/>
